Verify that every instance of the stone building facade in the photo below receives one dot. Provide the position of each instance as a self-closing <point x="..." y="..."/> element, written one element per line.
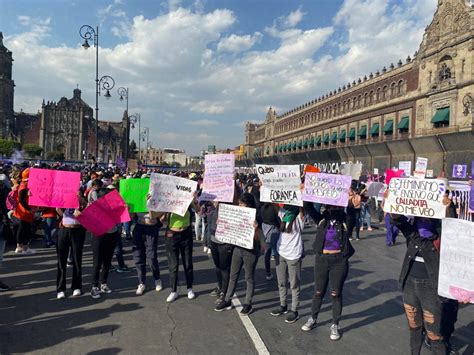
<point x="421" y="106"/>
<point x="7" y="86"/>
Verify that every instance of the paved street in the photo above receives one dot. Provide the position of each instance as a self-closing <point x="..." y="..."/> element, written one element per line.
<point x="33" y="321"/>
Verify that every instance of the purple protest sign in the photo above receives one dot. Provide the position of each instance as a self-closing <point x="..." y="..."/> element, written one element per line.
<point x="471" y="199"/>
<point x="459" y="171"/>
<point x="327" y="188"/>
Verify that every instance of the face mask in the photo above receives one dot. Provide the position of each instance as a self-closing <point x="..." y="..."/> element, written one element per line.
<point x="425" y="228"/>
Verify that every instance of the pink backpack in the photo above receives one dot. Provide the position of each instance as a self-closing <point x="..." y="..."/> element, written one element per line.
<point x="12" y="200"/>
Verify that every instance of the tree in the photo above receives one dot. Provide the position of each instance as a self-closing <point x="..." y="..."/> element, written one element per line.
<point x="32" y="150"/>
<point x="133" y="150"/>
<point x="7" y="147"/>
<point x="55" y="156"/>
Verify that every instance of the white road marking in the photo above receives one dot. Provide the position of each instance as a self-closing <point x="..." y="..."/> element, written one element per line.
<point x="250" y="328"/>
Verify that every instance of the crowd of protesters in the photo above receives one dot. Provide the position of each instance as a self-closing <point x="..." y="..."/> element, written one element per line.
<point x="278" y="238"/>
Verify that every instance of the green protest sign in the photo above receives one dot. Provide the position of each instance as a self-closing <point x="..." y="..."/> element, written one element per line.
<point x="134" y="193"/>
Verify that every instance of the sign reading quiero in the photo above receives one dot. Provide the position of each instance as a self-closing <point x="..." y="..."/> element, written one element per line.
<point x="280" y="184"/>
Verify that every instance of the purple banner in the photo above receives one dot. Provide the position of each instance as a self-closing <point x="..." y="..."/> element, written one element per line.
<point x="327" y="188"/>
<point x="471" y="199"/>
<point x="459" y="171"/>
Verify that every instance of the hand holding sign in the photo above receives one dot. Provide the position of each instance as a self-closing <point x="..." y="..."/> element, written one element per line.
<point x="327" y="189"/>
<point x="280" y="184"/>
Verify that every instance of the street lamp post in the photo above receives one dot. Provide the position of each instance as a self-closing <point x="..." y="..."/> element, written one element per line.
<point x="105" y="83"/>
<point x="123" y="93"/>
<point x="134" y="119"/>
<point x="145" y="135"/>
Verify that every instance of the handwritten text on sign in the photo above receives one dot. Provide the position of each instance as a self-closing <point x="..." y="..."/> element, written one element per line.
<point x="170" y="194"/>
<point x="235" y="225"/>
<point x="103" y="214"/>
<point x="280" y="184"/>
<point x="218" y="184"/>
<point x="54" y="188"/>
<point x="456" y="265"/>
<point x="327" y="188"/>
<point x="416" y="197"/>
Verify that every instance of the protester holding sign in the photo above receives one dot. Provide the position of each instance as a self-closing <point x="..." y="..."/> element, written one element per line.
<point x="71" y="237"/>
<point x="179" y="240"/>
<point x="246" y="258"/>
<point x="25" y="214"/>
<point x="332" y="249"/>
<point x="289" y="259"/>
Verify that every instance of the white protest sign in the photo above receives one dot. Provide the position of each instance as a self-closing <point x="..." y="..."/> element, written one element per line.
<point x="376" y="171"/>
<point x="328" y="189"/>
<point x="352" y="169"/>
<point x="374" y="189"/>
<point x="420" y="168"/>
<point x="416" y="197"/>
<point x="170" y="194"/>
<point x="429" y="173"/>
<point x="405" y="166"/>
<point x="218" y="184"/>
<point x="235" y="225"/>
<point x="280" y="184"/>
<point x="456" y="264"/>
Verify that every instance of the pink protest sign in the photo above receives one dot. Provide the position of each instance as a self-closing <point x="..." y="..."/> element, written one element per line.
<point x="218" y="182"/>
<point x="102" y="215"/>
<point x="390" y="174"/>
<point x="54" y="188"/>
<point x="329" y="189"/>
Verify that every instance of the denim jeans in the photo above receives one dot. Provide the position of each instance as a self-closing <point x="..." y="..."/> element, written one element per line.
<point x="423" y="310"/>
<point x="392" y="231"/>
<point x="145" y="246"/>
<point x="248" y="260"/>
<point x="181" y="243"/>
<point x="49" y="224"/>
<point x="365" y="216"/>
<point x="272" y="234"/>
<point x="329" y="268"/>
<point x="199" y="227"/>
<point x="127" y="226"/>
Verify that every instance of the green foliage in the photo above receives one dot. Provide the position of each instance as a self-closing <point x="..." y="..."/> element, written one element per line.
<point x="7" y="147"/>
<point x="32" y="150"/>
<point x="55" y="156"/>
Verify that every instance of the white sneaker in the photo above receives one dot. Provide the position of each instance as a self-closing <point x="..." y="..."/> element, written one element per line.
<point x="76" y="293"/>
<point x="19" y="251"/>
<point x="140" y="290"/>
<point x="335" y="335"/>
<point x="158" y="285"/>
<point x="28" y="251"/>
<point x="209" y="251"/>
<point x="204" y="249"/>
<point x="191" y="294"/>
<point x="61" y="295"/>
<point x="172" y="297"/>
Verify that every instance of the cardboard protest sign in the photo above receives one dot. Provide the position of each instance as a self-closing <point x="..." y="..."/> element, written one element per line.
<point x="170" y="194"/>
<point x="416" y="197"/>
<point x="459" y="171"/>
<point x="327" y="189"/>
<point x="54" y="188"/>
<point x="405" y="166"/>
<point x="374" y="188"/>
<point x="352" y="169"/>
<point x="134" y="193"/>
<point x="103" y="214"/>
<point x="420" y="168"/>
<point x="218" y="184"/>
<point x="429" y="173"/>
<point x="280" y="184"/>
<point x="235" y="225"/>
<point x="376" y="171"/>
<point x="456" y="268"/>
<point x="390" y="174"/>
<point x="132" y="164"/>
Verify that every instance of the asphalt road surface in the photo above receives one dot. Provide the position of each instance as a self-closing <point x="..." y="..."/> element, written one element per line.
<point x="373" y="322"/>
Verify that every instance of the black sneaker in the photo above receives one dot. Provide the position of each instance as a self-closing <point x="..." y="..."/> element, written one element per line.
<point x="3" y="287"/>
<point x="215" y="292"/>
<point x="279" y="311"/>
<point x="223" y="306"/>
<point x="112" y="268"/>
<point x="123" y="269"/>
<point x="95" y="293"/>
<point x="246" y="310"/>
<point x="291" y="317"/>
<point x="220" y="298"/>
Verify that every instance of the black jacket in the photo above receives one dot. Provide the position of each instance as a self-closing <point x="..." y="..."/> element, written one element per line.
<point x="346" y="247"/>
<point x="414" y="244"/>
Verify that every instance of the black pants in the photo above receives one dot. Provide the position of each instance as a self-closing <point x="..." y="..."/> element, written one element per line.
<point x="180" y="243"/>
<point x="329" y="268"/>
<point x="70" y="238"/>
<point x="449" y="317"/>
<point x="222" y="257"/>
<point x="103" y="248"/>
<point x="353" y="221"/>
<point x="423" y="309"/>
<point x="145" y="250"/>
<point x="23" y="234"/>
<point x="248" y="260"/>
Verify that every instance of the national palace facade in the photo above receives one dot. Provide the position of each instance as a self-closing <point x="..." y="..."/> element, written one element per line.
<point x="421" y="106"/>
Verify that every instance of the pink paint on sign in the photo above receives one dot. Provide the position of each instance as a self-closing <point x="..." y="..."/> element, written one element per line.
<point x="461" y="294"/>
<point x="390" y="174"/>
<point x="102" y="215"/>
<point x="54" y="188"/>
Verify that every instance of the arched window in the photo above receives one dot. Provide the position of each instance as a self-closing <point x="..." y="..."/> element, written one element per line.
<point x="384" y="93"/>
<point x="392" y="90"/>
<point x="371" y="97"/>
<point x="366" y="99"/>
<point x="400" y="90"/>
<point x="359" y="99"/>
<point x="377" y="95"/>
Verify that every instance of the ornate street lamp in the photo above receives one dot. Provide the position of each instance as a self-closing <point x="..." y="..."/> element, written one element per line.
<point x="123" y="94"/>
<point x="133" y="120"/>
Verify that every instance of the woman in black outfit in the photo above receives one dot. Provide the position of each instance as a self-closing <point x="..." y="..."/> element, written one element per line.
<point x="271" y="231"/>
